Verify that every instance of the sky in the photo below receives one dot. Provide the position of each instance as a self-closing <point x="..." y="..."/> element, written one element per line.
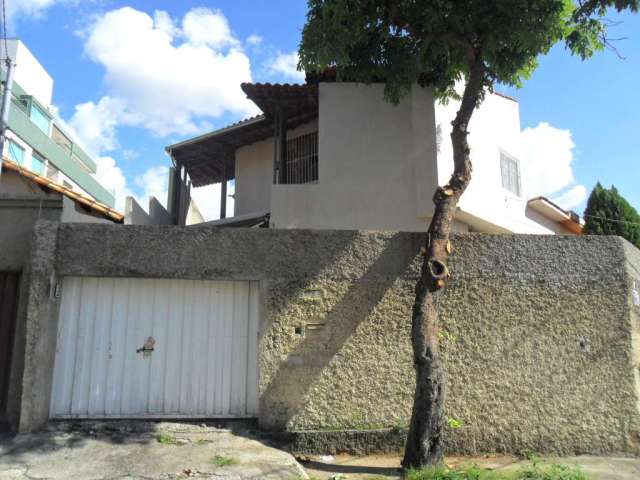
<point x="132" y="77"/>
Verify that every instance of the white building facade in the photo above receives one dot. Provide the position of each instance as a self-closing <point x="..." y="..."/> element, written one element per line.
<point x="355" y="161"/>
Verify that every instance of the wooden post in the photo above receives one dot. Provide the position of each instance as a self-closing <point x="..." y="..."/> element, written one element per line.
<point x="282" y="150"/>
<point x="223" y="189"/>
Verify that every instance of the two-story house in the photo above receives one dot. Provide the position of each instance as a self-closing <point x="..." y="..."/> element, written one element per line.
<point x="336" y="155"/>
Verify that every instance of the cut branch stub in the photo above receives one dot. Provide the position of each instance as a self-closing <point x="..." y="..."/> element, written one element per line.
<point x="438" y="270"/>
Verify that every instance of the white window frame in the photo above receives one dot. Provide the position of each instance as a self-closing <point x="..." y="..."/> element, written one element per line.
<point x="506" y="179"/>
<point x="11" y="142"/>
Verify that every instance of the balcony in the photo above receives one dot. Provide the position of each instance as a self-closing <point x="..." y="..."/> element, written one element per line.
<point x="22" y="126"/>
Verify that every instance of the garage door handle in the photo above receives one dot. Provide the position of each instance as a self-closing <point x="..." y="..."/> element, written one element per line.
<point x="147" y="348"/>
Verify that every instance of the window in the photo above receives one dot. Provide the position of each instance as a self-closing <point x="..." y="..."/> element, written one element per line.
<point x="52" y="172"/>
<point x="302" y="159"/>
<point x="39" y="117"/>
<point x="510" y="173"/>
<point x="16" y="152"/>
<point x="37" y="163"/>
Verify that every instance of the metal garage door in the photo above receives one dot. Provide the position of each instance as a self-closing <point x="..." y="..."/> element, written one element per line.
<point x="156" y="348"/>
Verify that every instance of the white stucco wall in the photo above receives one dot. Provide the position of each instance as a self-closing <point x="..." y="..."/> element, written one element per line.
<point x="29" y="74"/>
<point x="376" y="164"/>
<point x="494" y="127"/>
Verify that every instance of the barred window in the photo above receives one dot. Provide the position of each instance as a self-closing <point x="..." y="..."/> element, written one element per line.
<point x="302" y="159"/>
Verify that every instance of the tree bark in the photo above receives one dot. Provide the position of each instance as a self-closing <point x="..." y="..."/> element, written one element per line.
<point x="425" y="438"/>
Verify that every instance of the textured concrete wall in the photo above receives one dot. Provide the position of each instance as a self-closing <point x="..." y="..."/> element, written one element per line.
<point x="40" y="328"/>
<point x="537" y="332"/>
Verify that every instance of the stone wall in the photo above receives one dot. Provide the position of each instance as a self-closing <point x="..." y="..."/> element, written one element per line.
<point x="539" y="333"/>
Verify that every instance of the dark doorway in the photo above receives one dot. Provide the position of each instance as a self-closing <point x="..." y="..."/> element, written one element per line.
<point x="9" y="282"/>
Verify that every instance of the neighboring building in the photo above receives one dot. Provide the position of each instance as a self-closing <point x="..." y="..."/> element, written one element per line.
<point x="36" y="141"/>
<point x="328" y="155"/>
<point x="25" y="198"/>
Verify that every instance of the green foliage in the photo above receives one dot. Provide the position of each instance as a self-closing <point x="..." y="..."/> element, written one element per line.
<point x="221" y="461"/>
<point x="608" y="213"/>
<point x="550" y="472"/>
<point x="166" y="439"/>
<point x="535" y="472"/>
<point x="454" y="423"/>
<point x="434" y="42"/>
<point x="444" y="473"/>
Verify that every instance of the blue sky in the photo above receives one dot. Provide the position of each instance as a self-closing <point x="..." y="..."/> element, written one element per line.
<point x="134" y="76"/>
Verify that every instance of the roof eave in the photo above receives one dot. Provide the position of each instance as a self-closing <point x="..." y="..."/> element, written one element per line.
<point x="215" y="133"/>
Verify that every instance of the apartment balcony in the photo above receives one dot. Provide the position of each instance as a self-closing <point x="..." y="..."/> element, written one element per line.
<point x="74" y="166"/>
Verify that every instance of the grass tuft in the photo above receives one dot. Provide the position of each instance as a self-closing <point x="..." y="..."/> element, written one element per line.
<point x="221" y="461"/>
<point x="537" y="471"/>
<point x="166" y="439"/>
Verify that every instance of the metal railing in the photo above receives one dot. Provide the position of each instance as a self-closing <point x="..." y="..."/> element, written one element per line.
<point x="302" y="159"/>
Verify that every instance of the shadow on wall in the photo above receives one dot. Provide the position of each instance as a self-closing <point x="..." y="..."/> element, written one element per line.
<point x="319" y="334"/>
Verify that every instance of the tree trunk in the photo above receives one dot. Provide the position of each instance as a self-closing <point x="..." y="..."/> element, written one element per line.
<point x="424" y="441"/>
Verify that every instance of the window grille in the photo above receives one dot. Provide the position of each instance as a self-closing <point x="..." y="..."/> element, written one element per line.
<point x="302" y="159"/>
<point x="510" y="173"/>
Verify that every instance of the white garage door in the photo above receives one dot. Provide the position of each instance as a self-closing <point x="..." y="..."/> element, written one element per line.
<point x="156" y="348"/>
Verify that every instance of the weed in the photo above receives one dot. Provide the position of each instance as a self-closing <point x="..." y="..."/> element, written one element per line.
<point x="444" y="473"/>
<point x="538" y="471"/>
<point x="166" y="439"/>
<point x="529" y="454"/>
<point x="220" y="461"/>
<point x="453" y="423"/>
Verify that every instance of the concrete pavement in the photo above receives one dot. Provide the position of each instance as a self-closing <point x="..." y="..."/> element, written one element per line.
<point x="143" y="451"/>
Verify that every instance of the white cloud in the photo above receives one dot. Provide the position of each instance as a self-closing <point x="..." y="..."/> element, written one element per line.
<point x="95" y="123"/>
<point x="202" y="26"/>
<point x="167" y="76"/>
<point x="154" y="183"/>
<point x="170" y="79"/>
<point x="547" y="159"/>
<point x="572" y="198"/>
<point x="111" y="177"/>
<point x="28" y="8"/>
<point x="286" y="64"/>
<point x="254" y="39"/>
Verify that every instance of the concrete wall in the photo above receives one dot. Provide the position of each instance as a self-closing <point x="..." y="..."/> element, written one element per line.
<point x="134" y="214"/>
<point x="376" y="164"/>
<point x="539" y="333"/>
